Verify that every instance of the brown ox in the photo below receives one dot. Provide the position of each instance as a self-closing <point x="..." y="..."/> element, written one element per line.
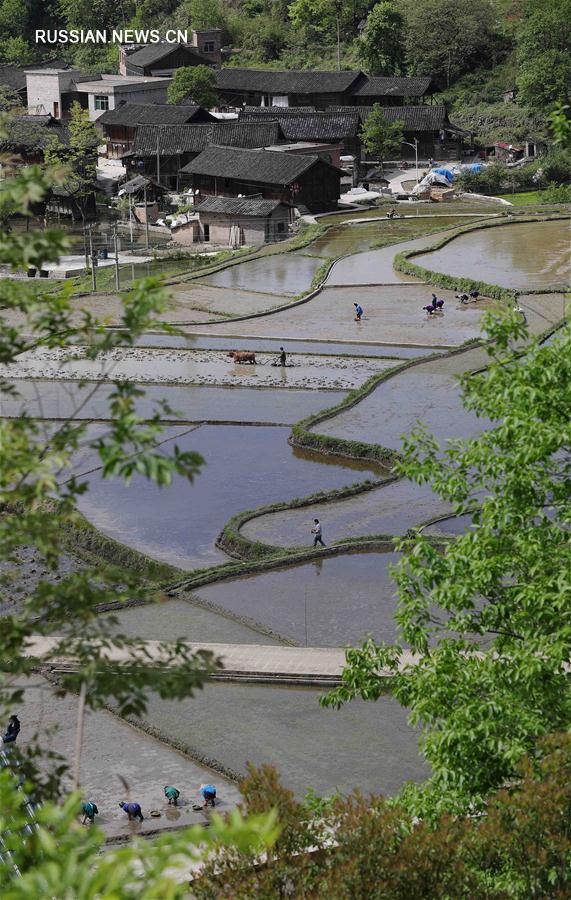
<point x="243" y="356"/>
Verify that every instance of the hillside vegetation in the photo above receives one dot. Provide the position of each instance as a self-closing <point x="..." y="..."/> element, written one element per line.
<point x="475" y="50"/>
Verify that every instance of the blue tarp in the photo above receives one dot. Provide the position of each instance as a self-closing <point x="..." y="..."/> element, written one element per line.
<point x="474" y="167"/>
<point x="446" y="172"/>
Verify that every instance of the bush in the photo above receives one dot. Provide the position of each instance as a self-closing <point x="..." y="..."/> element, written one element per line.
<point x="557" y="193"/>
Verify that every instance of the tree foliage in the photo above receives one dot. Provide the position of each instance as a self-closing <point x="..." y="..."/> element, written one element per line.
<point x="445" y="38"/>
<point x="194" y="84"/>
<point x="79" y="157"/>
<point x="60" y="858"/>
<point x="487" y="615"/>
<point x="368" y="847"/>
<point x="381" y="46"/>
<point x="39" y="488"/>
<point x="381" y="138"/>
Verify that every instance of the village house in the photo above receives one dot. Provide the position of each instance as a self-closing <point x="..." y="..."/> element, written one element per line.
<point x="298" y="180"/>
<point x="162" y="59"/>
<point x="161" y="151"/>
<point x="236" y="221"/>
<point x="321" y="90"/>
<point x="53" y="91"/>
<point x="437" y="137"/>
<point x="14" y="77"/>
<point x="303" y="124"/>
<point x="28" y="136"/>
<point x="119" y="125"/>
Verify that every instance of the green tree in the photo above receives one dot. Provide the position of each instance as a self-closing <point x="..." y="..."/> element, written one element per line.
<point x="102" y="14"/>
<point x="368" y="847"/>
<point x="445" y="38"/>
<point x="16" y="51"/>
<point x="39" y="507"/>
<point x="194" y="84"/>
<point x="324" y="21"/>
<point x="381" y="46"/>
<point x="206" y="14"/>
<point x="79" y="156"/>
<point x="13" y="18"/>
<point x="60" y="858"/>
<point x="544" y="73"/>
<point x="381" y="138"/>
<point x="9" y="99"/>
<point x="487" y="615"/>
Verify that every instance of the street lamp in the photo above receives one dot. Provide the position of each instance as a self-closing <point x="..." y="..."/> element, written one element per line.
<point x="415" y="148"/>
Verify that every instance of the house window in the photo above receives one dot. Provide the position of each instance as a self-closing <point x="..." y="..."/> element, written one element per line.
<point x="208" y="47"/>
<point x="56" y="109"/>
<point x="101" y="102"/>
<point x="206" y="233"/>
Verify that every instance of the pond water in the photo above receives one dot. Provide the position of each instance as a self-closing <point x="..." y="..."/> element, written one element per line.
<point x="245" y="467"/>
<point x="189" y="403"/>
<point x="330" y="602"/>
<point x="283" y="273"/>
<point x="528" y="255"/>
<point x="370" y="746"/>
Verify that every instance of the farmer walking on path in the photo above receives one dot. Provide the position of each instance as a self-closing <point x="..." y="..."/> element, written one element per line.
<point x="317" y="531"/>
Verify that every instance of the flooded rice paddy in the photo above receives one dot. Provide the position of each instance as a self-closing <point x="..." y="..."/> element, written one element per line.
<point x="272" y="345"/>
<point x="286" y="274"/>
<point x="311" y="747"/>
<point x="190" y="403"/>
<point x="330" y="602"/>
<point x="533" y="255"/>
<point x="245" y="467"/>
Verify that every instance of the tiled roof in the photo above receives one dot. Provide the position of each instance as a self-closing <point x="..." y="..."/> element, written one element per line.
<point x="153" y="53"/>
<point x="272" y="81"/>
<point x="257" y="166"/>
<point x="15" y="76"/>
<point x="276" y="110"/>
<point x="415" y="118"/>
<point x="148" y="114"/>
<point x="32" y="133"/>
<point x="174" y="139"/>
<point x="135" y="184"/>
<point x="314" y="126"/>
<point x="415" y="86"/>
<point x="239" y="206"/>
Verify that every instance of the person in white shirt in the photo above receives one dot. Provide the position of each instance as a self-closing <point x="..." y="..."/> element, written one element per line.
<point x="317" y="531"/>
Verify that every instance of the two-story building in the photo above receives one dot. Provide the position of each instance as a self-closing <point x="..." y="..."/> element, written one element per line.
<point x="119" y="125"/>
<point x="162" y="59"/>
<point x="161" y="151"/>
<point x="53" y="91"/>
<point x="297" y="180"/>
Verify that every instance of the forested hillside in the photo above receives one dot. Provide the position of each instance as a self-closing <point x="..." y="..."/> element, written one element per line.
<point x="476" y="50"/>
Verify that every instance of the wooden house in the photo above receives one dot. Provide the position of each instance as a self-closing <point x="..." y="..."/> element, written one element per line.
<point x="298" y="180"/>
<point x="119" y="125"/>
<point x="163" y="151"/>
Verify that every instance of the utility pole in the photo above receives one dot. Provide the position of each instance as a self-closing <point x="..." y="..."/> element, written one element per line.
<point x="131" y="220"/>
<point x="146" y="217"/>
<point x="338" y="43"/>
<point x="116" y="240"/>
<point x="93" y="260"/>
<point x="158" y="159"/>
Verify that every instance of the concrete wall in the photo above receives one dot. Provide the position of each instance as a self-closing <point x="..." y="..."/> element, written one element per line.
<point x="253" y="229"/>
<point x="46" y="88"/>
<point x="144" y="93"/>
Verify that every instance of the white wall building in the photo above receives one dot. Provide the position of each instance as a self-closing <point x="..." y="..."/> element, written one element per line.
<point x="52" y="91"/>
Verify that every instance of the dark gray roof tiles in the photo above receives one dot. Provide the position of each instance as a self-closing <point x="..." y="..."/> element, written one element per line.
<point x="131" y="114"/>
<point x="239" y="206"/>
<point x="311" y="126"/>
<point x="30" y="133"/>
<point x="175" y="139"/>
<point x="415" y="118"/>
<point x="153" y="53"/>
<point x="415" y="86"/>
<point x="272" y="81"/>
<point x="256" y="166"/>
